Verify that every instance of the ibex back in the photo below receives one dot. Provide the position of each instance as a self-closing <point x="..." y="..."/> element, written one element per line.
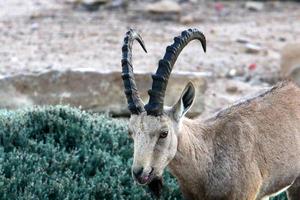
<point x="249" y="151"/>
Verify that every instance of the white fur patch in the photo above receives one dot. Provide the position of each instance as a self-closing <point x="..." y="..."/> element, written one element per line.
<point x="276" y="193"/>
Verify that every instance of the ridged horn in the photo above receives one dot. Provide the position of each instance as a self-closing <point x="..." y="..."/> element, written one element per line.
<point x="165" y="66"/>
<point x="135" y="104"/>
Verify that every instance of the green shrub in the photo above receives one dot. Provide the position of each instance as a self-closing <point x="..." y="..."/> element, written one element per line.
<point x="282" y="196"/>
<point x="64" y="153"/>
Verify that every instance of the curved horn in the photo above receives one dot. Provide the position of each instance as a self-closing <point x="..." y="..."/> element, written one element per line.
<point x="165" y="66"/>
<point x="135" y="104"/>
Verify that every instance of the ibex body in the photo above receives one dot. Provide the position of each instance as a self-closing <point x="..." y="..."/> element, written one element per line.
<point x="249" y="151"/>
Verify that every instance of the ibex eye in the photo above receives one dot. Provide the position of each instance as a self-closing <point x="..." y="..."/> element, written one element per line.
<point x="163" y="134"/>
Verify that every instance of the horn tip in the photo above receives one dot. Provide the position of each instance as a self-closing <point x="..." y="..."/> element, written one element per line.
<point x="145" y="50"/>
<point x="204" y="45"/>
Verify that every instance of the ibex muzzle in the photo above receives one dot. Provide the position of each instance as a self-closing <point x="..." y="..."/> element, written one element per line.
<point x="249" y="151"/>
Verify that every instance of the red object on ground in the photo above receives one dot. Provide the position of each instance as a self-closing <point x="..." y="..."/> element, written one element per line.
<point x="252" y="66"/>
<point x="219" y="6"/>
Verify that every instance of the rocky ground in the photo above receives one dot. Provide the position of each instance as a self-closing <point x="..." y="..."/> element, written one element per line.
<point x="244" y="41"/>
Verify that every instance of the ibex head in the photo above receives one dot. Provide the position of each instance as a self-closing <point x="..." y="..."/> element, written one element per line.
<point x="154" y="128"/>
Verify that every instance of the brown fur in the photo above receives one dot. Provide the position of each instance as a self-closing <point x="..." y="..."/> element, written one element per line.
<point x="246" y="152"/>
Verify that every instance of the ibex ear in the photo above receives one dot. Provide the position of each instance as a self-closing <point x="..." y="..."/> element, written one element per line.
<point x="185" y="101"/>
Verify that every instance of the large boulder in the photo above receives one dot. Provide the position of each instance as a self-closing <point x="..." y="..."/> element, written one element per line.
<point x="90" y="90"/>
<point x="254" y="5"/>
<point x="164" y="6"/>
<point x="290" y="62"/>
<point x="164" y="10"/>
<point x="89" y="5"/>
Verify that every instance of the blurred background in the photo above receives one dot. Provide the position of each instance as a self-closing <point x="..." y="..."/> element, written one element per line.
<point x="69" y="51"/>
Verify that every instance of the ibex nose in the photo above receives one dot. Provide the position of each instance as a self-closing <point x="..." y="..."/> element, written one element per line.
<point x="141" y="175"/>
<point x="137" y="172"/>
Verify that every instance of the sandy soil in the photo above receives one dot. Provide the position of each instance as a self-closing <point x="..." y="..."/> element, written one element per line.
<point x="49" y="34"/>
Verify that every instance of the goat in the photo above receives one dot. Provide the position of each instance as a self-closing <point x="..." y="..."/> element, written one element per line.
<point x="249" y="151"/>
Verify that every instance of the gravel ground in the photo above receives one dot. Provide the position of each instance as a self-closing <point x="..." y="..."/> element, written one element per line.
<point x="38" y="35"/>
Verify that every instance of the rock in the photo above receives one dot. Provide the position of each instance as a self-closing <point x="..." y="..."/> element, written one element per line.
<point x="164" y="6"/>
<point x="34" y="26"/>
<point x="290" y="62"/>
<point x="231" y="73"/>
<point x="90" y="5"/>
<point x="252" y="48"/>
<point x="93" y="5"/>
<point x="90" y="2"/>
<point x="163" y="10"/>
<point x="87" y="2"/>
<point x="242" y="40"/>
<point x="72" y="1"/>
<point x="188" y="19"/>
<point x="120" y="4"/>
<point x="282" y="39"/>
<point x="232" y="89"/>
<point x="254" y="5"/>
<point x="91" y="90"/>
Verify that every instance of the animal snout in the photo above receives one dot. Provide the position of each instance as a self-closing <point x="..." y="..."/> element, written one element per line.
<point x="141" y="175"/>
<point x="137" y="172"/>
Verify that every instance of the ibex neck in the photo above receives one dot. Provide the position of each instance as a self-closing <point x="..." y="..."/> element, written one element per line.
<point x="193" y="156"/>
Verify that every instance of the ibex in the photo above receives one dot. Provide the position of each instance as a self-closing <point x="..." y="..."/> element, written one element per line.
<point x="249" y="151"/>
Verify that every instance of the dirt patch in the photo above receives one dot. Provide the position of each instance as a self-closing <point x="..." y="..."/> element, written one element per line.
<point x="36" y="35"/>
